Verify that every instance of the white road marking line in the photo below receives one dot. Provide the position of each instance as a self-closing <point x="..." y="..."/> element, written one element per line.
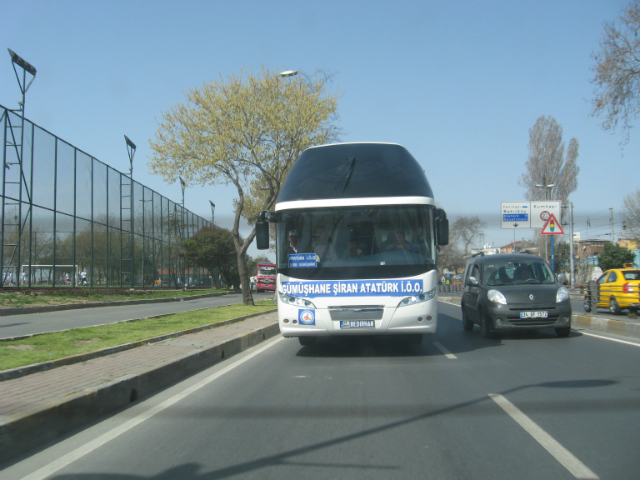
<point x="80" y="452"/>
<point x="446" y="352"/>
<point x="564" y="456"/>
<point x="608" y="338"/>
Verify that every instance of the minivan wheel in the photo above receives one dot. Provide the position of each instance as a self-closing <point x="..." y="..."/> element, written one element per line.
<point x="485" y="328"/>
<point x="563" y="331"/>
<point x="614" y="308"/>
<point x="466" y="323"/>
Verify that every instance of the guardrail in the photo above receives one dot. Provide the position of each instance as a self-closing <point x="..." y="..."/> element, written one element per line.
<point x="615" y="297"/>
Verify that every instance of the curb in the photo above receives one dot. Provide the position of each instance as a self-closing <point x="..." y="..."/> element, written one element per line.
<point x="606" y="325"/>
<point x="30" y="429"/>
<point x="23" y="371"/>
<point x="6" y="312"/>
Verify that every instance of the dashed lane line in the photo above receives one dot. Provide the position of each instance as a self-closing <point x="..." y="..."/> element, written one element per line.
<point x="446" y="352"/>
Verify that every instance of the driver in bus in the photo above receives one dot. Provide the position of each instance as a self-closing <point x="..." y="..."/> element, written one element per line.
<point x="294" y="242"/>
<point x="401" y="243"/>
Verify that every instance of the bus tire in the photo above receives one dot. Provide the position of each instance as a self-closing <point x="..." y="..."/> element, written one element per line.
<point x="304" y="341"/>
<point x="415" y="338"/>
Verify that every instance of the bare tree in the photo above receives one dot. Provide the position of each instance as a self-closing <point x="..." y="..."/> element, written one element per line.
<point x="466" y="230"/>
<point x="617" y="72"/>
<point x="549" y="164"/>
<point x="631" y="215"/>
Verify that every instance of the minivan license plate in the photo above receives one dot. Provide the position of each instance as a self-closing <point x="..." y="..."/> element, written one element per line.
<point x="358" y="324"/>
<point x="535" y="314"/>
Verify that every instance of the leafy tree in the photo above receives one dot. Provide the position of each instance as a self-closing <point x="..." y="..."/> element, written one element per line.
<point x="617" y="72"/>
<point x="213" y="248"/>
<point x="464" y="232"/>
<point x="247" y="130"/>
<point x="614" y="256"/>
<point x="549" y="163"/>
<point x="562" y="257"/>
<point x="631" y="214"/>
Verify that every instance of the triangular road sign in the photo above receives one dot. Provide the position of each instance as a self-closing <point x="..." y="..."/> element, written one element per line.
<point x="552" y="227"/>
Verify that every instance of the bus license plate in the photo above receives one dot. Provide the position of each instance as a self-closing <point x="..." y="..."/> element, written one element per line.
<point x="535" y="314"/>
<point x="358" y="324"/>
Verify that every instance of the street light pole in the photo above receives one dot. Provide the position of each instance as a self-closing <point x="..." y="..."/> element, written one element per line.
<point x="184" y="273"/>
<point x="213" y="212"/>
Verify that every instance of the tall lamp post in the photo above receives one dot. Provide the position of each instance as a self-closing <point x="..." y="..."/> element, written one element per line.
<point x="18" y="144"/>
<point x="213" y="212"/>
<point x="547" y="188"/>
<point x="131" y="151"/>
<point x="183" y="184"/>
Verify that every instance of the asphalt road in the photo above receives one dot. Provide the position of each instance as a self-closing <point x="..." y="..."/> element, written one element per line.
<point x="525" y="406"/>
<point x="18" y="325"/>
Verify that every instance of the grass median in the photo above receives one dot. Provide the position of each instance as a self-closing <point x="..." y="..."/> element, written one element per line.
<point x="49" y="346"/>
<point x="36" y="298"/>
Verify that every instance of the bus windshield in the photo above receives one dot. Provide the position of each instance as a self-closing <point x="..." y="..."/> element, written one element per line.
<point x="266" y="270"/>
<point x="388" y="241"/>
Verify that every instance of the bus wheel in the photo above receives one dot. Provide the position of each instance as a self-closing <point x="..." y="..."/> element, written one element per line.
<point x="307" y="340"/>
<point x="415" y="338"/>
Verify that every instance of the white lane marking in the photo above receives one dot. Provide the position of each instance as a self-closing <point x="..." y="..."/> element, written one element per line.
<point x="80" y="452"/>
<point x="446" y="352"/>
<point x="564" y="456"/>
<point x="609" y="338"/>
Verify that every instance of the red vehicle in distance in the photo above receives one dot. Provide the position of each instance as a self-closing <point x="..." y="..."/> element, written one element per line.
<point x="266" y="277"/>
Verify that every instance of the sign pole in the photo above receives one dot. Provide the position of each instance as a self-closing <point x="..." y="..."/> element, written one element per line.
<point x="553" y="268"/>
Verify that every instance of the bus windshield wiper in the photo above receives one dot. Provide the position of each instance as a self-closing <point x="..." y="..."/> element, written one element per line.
<point x="349" y="173"/>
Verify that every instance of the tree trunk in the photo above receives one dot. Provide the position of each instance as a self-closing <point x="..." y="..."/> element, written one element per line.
<point x="247" y="297"/>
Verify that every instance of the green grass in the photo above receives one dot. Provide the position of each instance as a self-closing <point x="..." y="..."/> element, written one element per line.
<point x="50" y="346"/>
<point x="62" y="296"/>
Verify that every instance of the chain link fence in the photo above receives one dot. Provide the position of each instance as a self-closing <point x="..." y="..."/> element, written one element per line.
<point x="66" y="217"/>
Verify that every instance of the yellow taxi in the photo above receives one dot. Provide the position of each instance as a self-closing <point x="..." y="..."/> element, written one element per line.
<point x="617" y="289"/>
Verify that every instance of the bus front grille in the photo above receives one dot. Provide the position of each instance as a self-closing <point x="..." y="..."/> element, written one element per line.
<point x="357" y="312"/>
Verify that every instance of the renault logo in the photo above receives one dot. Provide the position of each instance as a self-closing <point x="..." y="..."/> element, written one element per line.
<point x="531" y="297"/>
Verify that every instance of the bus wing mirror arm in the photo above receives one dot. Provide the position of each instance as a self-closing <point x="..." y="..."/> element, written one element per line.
<point x="262" y="229"/>
<point x="442" y="227"/>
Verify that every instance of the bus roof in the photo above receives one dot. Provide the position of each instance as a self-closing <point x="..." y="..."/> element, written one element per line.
<point x="355" y="170"/>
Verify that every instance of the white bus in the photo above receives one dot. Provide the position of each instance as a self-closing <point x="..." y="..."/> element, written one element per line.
<point x="356" y="235"/>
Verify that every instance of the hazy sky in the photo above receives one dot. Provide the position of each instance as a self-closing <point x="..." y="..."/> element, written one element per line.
<point x="458" y="83"/>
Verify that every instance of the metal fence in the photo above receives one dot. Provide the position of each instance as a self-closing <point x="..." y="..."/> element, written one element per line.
<point x="65" y="213"/>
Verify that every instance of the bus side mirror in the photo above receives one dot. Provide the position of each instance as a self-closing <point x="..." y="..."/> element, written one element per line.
<point x="262" y="231"/>
<point x="442" y="227"/>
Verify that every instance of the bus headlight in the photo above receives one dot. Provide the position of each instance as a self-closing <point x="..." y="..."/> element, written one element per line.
<point x="295" y="301"/>
<point x="423" y="297"/>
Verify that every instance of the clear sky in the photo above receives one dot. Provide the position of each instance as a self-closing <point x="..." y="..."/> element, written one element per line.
<point x="459" y="83"/>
